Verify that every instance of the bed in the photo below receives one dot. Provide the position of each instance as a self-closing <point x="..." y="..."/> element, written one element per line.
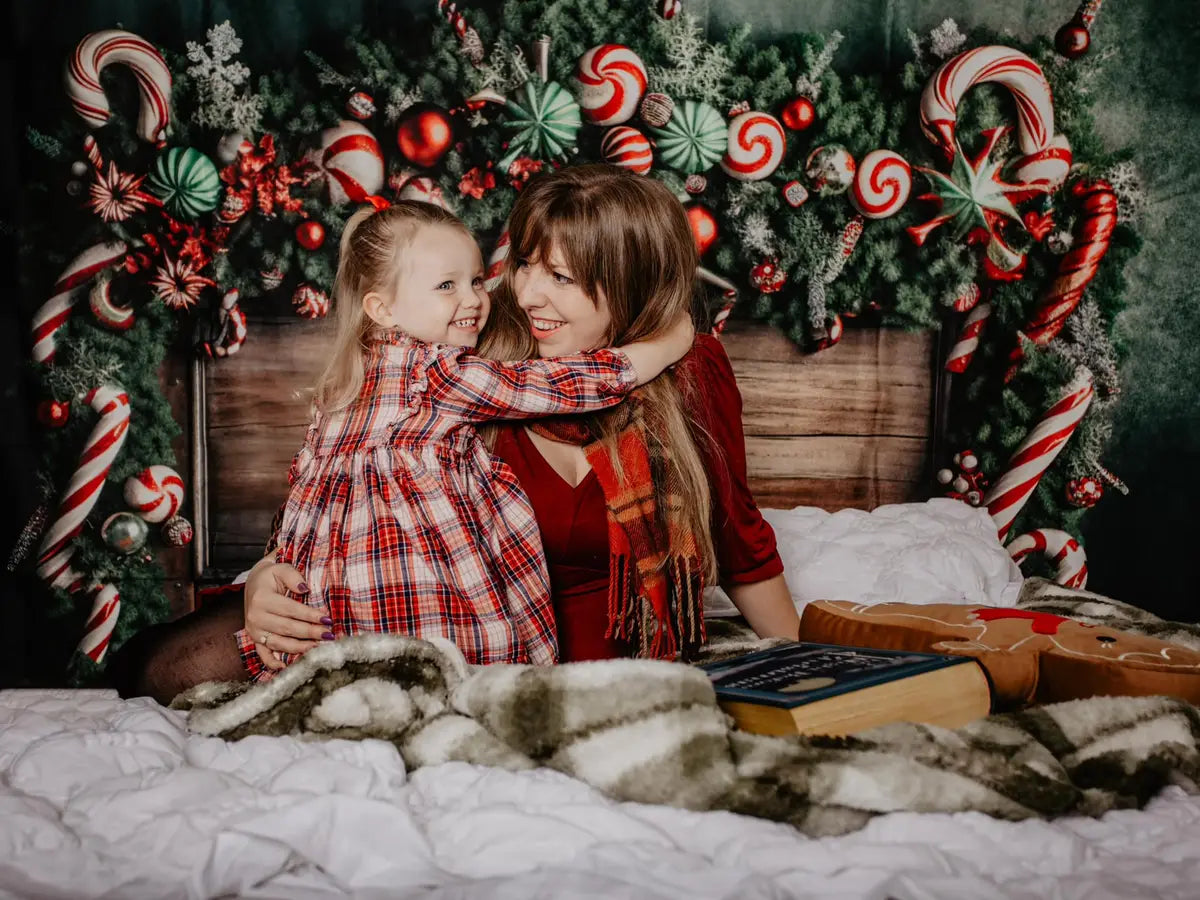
<point x="110" y="798"/>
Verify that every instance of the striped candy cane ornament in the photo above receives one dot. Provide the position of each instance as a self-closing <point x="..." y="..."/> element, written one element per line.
<point x="115" y="47"/>
<point x="53" y="314"/>
<point x="964" y="348"/>
<point x="497" y="260"/>
<point x="83" y="490"/>
<point x="1035" y="454"/>
<point x="1058" y="547"/>
<point x="106" y="607"/>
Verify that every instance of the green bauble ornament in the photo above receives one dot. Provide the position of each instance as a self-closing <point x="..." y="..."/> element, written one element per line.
<point x="186" y="181"/>
<point x="694" y="138"/>
<point x="124" y="532"/>
<point x="545" y="119"/>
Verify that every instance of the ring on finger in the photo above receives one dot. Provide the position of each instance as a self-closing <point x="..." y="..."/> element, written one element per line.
<point x="264" y="638"/>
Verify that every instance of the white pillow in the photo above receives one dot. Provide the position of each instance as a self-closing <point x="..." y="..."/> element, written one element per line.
<point x="940" y="551"/>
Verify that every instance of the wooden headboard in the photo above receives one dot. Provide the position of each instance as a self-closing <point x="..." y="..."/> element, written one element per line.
<point x="853" y="426"/>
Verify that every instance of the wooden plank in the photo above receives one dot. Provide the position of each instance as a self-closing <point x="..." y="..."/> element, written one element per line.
<point x="832" y="493"/>
<point x="873" y="382"/>
<point x="176" y="562"/>
<point x="836" y="456"/>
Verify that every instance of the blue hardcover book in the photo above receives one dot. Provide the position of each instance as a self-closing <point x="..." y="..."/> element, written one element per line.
<point x="828" y="689"/>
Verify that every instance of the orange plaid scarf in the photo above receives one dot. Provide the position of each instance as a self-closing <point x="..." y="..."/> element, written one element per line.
<point x="656" y="582"/>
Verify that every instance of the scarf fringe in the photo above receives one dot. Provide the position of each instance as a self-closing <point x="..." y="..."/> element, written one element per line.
<point x="632" y="618"/>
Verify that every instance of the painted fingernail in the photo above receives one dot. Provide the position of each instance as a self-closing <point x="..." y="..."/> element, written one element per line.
<point x="325" y="620"/>
<point x="302" y="588"/>
<point x="327" y="636"/>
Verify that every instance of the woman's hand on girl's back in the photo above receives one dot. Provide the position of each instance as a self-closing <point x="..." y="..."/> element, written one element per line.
<point x="293" y="626"/>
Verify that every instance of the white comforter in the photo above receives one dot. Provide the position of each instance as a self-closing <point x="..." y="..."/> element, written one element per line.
<point x="105" y="798"/>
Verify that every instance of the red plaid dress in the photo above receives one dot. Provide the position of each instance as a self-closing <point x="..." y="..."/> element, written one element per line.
<point x="403" y="522"/>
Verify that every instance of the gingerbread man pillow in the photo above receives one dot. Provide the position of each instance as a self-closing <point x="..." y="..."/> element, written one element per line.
<point x="1030" y="657"/>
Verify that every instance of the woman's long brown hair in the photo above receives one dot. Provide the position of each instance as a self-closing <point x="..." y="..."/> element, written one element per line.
<point x="627" y="237"/>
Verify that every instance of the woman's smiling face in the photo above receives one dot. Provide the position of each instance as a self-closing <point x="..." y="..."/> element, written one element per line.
<point x="562" y="318"/>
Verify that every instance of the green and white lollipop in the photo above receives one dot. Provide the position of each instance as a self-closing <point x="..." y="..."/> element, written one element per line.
<point x="694" y="138"/>
<point x="186" y="181"/>
<point x="545" y="119"/>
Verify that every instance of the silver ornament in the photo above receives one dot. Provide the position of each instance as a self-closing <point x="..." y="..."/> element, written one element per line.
<point x="124" y="532"/>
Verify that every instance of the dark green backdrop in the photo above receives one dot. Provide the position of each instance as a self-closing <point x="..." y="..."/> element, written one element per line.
<point x="1147" y="96"/>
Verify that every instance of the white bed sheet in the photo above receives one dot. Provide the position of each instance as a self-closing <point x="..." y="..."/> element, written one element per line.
<point x="107" y="798"/>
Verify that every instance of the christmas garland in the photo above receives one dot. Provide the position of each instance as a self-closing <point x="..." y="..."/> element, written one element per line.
<point x="803" y="185"/>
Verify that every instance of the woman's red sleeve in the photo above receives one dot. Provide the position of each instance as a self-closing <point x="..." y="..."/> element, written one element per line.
<point x="744" y="542"/>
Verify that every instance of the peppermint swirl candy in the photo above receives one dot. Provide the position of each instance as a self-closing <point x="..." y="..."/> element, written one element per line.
<point x="882" y="184"/>
<point x="611" y="79"/>
<point x="545" y="119"/>
<point x="628" y="148"/>
<point x="186" y="181"/>
<point x="693" y="139"/>
<point x="756" y="144"/>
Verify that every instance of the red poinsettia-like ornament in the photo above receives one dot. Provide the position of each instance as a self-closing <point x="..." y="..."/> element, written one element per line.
<point x="979" y="205"/>
<point x="177" y="283"/>
<point x="115" y="195"/>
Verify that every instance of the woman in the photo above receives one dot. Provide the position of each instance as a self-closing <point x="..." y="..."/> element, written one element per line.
<point x="598" y="256"/>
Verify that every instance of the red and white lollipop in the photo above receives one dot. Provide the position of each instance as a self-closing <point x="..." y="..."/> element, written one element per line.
<point x="882" y="184"/>
<point x="424" y="189"/>
<point x="104" y="48"/>
<point x="612" y="79"/>
<point x="1047" y="158"/>
<point x="53" y="314"/>
<point x="628" y="148"/>
<point x="756" y="146"/>
<point x="350" y="157"/>
<point x="155" y="493"/>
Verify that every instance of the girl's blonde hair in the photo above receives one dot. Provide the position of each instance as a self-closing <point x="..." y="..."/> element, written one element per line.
<point x="370" y="258"/>
<point x="628" y="237"/>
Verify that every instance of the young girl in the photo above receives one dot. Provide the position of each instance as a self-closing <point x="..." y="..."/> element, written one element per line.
<point x="398" y="515"/>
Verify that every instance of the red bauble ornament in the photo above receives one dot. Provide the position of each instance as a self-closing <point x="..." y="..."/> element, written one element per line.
<point x="310" y="235"/>
<point x="704" y="227"/>
<point x="425" y="135"/>
<point x="53" y="414"/>
<point x="1072" y="40"/>
<point x="798" y="114"/>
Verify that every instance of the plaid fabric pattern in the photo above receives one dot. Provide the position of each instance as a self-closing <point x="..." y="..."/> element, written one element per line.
<point x="403" y="522"/>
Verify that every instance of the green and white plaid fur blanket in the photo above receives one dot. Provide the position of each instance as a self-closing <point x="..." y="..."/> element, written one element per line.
<point x="652" y="732"/>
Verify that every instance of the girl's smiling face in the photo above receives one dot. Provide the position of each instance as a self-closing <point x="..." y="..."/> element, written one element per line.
<point x="439" y="298"/>
<point x="562" y="318"/>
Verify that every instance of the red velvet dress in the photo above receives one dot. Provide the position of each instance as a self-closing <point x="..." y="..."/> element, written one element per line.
<point x="573" y="521"/>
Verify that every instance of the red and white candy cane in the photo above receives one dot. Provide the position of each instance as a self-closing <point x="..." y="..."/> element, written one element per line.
<point x="1057" y="546"/>
<point x="231" y="333"/>
<point x="53" y="314"/>
<point x="1035" y="454"/>
<point x="1078" y="267"/>
<point x="729" y="295"/>
<point x="83" y="490"/>
<point x="612" y="79"/>
<point x="756" y="143"/>
<point x="92" y="151"/>
<point x="103" y="48"/>
<point x="964" y="348"/>
<point x="497" y="261"/>
<point x="106" y="607"/>
<point x="966" y="297"/>
<point x="1047" y="156"/>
